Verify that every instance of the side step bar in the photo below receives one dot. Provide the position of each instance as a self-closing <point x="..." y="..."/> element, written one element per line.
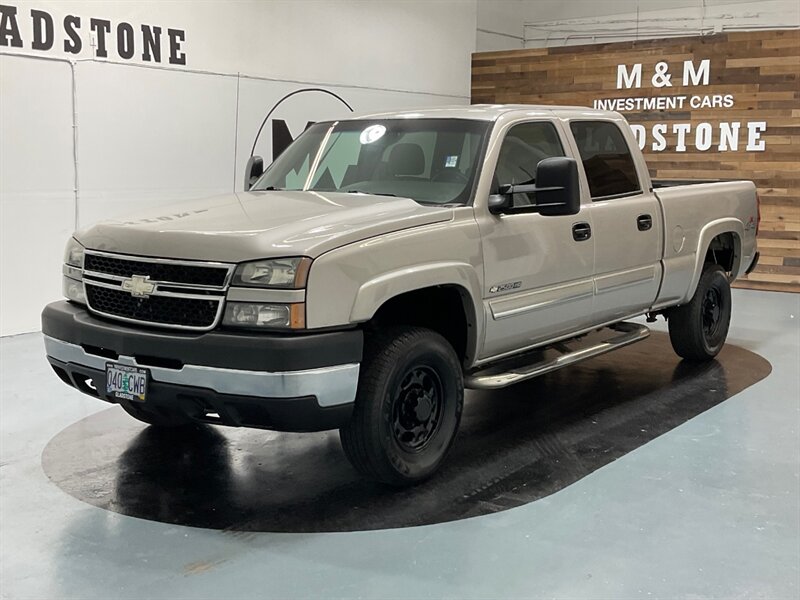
<point x="496" y="376"/>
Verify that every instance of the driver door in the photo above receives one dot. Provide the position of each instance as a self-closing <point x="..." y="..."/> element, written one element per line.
<point x="538" y="269"/>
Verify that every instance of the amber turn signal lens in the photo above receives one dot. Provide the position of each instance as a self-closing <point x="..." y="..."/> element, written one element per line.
<point x="297" y="316"/>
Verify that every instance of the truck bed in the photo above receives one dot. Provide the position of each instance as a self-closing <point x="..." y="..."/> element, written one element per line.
<point x="694" y="212"/>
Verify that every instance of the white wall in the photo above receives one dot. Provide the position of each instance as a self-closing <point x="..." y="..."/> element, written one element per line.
<point x="507" y="24"/>
<point x="148" y="134"/>
<point x="37" y="209"/>
<point x="413" y="45"/>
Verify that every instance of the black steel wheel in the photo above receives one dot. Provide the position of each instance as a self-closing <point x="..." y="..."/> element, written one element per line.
<point x="408" y="406"/>
<point x="416" y="408"/>
<point x="698" y="329"/>
<point x="711" y="311"/>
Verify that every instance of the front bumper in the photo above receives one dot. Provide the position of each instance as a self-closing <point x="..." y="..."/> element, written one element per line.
<point x="289" y="383"/>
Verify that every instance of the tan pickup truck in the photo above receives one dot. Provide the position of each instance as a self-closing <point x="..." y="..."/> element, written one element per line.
<point x="383" y="263"/>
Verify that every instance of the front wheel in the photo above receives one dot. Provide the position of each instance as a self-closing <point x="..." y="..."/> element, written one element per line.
<point x="699" y="328"/>
<point x="408" y="406"/>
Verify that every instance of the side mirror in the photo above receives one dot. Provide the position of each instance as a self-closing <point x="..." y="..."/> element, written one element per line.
<point x="253" y="170"/>
<point x="557" y="190"/>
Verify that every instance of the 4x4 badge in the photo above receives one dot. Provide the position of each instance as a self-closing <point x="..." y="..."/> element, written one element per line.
<point x="139" y="286"/>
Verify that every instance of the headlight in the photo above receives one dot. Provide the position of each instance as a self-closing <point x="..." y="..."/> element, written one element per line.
<point x="73" y="253"/>
<point x="260" y="314"/>
<point x="284" y="273"/>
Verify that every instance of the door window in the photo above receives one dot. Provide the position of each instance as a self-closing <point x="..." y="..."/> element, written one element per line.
<point x="606" y="158"/>
<point x="523" y="148"/>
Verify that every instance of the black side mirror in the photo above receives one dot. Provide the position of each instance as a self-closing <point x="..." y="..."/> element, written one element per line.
<point x="253" y="170"/>
<point x="557" y="190"/>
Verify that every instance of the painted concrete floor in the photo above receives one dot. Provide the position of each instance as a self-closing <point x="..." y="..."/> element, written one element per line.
<point x="710" y="509"/>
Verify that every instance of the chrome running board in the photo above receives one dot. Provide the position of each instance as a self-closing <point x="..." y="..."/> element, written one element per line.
<point x="511" y="371"/>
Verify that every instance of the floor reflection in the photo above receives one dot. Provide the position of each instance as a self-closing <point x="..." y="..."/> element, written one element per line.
<point x="515" y="446"/>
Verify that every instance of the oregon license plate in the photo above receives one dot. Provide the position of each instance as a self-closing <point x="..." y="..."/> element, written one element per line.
<point x="126" y="383"/>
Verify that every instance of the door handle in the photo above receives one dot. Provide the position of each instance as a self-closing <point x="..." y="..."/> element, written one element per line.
<point x="644" y="222"/>
<point x="581" y="232"/>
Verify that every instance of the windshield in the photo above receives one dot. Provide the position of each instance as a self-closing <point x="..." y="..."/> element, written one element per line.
<point x="433" y="161"/>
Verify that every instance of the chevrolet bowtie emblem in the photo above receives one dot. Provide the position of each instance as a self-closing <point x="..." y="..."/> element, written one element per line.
<point x="139" y="286"/>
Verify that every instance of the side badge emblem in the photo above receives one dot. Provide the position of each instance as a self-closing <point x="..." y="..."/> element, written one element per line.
<point x="504" y="287"/>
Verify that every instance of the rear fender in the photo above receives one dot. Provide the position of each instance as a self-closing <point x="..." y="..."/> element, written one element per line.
<point x="707" y="234"/>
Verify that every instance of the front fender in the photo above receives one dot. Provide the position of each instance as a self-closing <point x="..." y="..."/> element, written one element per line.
<point x="348" y="285"/>
<point x="375" y="292"/>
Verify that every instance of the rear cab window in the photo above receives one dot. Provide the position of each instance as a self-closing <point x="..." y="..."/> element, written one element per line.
<point x="607" y="160"/>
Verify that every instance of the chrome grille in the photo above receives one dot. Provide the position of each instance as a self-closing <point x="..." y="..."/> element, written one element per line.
<point x="157" y="271"/>
<point x="168" y="293"/>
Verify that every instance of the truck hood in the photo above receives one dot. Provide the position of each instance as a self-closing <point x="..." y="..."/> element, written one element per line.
<point x="254" y="225"/>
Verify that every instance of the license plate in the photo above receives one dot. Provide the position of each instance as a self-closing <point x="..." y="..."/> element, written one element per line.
<point x="126" y="383"/>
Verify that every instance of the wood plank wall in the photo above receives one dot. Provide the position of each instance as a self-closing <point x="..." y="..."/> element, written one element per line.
<point x="760" y="70"/>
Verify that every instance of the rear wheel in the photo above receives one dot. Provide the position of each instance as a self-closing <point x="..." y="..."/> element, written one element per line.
<point x="157" y="417"/>
<point x="699" y="328"/>
<point x="408" y="406"/>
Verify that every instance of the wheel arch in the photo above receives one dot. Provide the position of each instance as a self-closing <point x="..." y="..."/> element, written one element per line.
<point x="720" y="242"/>
<point x="439" y="296"/>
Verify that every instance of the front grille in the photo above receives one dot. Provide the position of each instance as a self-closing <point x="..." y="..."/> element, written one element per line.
<point x="157" y="271"/>
<point x="162" y="310"/>
<point x="171" y="293"/>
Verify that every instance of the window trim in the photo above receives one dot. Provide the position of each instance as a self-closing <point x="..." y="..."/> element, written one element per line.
<point x="638" y="192"/>
<point x="617" y="196"/>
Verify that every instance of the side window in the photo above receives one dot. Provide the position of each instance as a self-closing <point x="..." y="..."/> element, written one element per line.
<point x="524" y="146"/>
<point x="606" y="159"/>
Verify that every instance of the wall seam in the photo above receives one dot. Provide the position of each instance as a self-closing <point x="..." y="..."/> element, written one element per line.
<point x="76" y="180"/>
<point x="236" y="134"/>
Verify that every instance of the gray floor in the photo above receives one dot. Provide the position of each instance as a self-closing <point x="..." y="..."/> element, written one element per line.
<point x="709" y="510"/>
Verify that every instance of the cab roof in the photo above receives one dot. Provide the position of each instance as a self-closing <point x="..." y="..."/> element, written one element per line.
<point x="487" y="112"/>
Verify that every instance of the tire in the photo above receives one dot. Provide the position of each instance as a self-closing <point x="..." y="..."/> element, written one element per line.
<point x="157" y="417"/>
<point x="699" y="328"/>
<point x="408" y="406"/>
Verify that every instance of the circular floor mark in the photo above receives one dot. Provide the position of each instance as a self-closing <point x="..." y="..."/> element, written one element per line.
<point x="516" y="445"/>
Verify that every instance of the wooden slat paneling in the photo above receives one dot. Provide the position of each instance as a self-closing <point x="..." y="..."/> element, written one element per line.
<point x="760" y="69"/>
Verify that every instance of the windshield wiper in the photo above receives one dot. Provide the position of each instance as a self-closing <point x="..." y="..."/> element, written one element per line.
<point x="270" y="188"/>
<point x="372" y="193"/>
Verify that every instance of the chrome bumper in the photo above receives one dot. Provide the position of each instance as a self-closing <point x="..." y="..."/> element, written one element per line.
<point x="332" y="386"/>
